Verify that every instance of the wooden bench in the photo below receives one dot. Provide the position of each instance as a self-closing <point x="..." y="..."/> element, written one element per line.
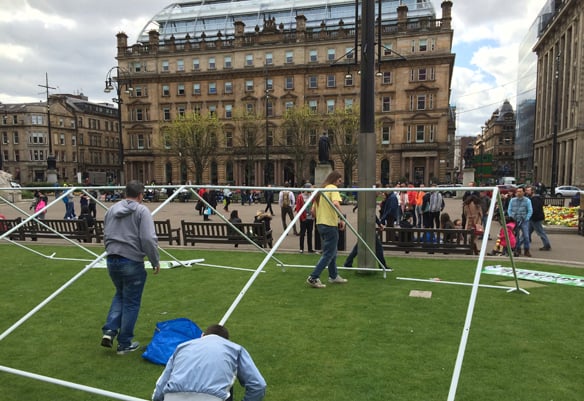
<point x="72" y="229"/>
<point x="550" y="201"/>
<point x="8" y="224"/>
<point x="163" y="228"/>
<point x="222" y="233"/>
<point x="431" y="240"/>
<point x="165" y="232"/>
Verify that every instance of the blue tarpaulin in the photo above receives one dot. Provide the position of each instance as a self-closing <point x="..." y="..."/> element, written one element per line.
<point x="167" y="336"/>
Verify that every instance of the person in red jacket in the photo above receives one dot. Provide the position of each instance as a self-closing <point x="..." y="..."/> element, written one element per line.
<point x="306" y="219"/>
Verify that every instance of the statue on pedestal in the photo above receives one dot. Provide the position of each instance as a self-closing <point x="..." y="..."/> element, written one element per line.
<point x="324" y="147"/>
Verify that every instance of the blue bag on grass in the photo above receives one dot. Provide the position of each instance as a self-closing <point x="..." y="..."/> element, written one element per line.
<point x="167" y="336"/>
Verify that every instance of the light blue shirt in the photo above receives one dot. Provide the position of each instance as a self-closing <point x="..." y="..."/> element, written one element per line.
<point x="210" y="365"/>
<point x="520" y="209"/>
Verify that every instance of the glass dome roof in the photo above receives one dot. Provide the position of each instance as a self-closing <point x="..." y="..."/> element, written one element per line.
<point x="212" y="16"/>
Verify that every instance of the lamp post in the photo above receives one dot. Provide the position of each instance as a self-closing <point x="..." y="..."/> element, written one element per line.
<point x="51" y="159"/>
<point x="117" y="83"/>
<point x="555" y="133"/>
<point x="267" y="166"/>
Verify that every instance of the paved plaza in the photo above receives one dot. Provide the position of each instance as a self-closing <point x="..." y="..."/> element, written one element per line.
<point x="566" y="243"/>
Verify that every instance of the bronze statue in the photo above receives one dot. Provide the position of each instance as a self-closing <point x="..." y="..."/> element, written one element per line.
<point x="324" y="148"/>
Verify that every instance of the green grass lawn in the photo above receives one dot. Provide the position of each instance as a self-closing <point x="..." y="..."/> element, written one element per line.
<point x="367" y="340"/>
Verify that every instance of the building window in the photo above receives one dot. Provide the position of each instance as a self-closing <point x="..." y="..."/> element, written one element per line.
<point x="386" y="79"/>
<point x="139" y="115"/>
<point x="181" y="111"/>
<point x="313" y="106"/>
<point x="432" y="133"/>
<point x="289" y="83"/>
<point x="331" y="55"/>
<point x="387" y="49"/>
<point x="212" y="110"/>
<point x="5" y="138"/>
<point x="137" y="67"/>
<point x="423" y="45"/>
<point x="330" y="106"/>
<point x="313" y="82"/>
<point x="249" y="60"/>
<point x="348" y="79"/>
<point x="15" y="138"/>
<point x="249" y="108"/>
<point x="269" y="84"/>
<point x="196" y="64"/>
<point x="348" y="104"/>
<point x="197" y="107"/>
<point x="349" y="53"/>
<point x="196" y="88"/>
<point x="137" y="91"/>
<point x="421" y="74"/>
<point x="5" y="155"/>
<point x="421" y="104"/>
<point x="386" y="104"/>
<point x="180" y="65"/>
<point x="313" y="56"/>
<point x="166" y="114"/>
<point x="249" y="85"/>
<point x="180" y="90"/>
<point x="331" y="81"/>
<point x="419" y="133"/>
<point x="409" y="134"/>
<point x="228" y="138"/>
<point x="270" y="109"/>
<point x="385" y="135"/>
<point x="289" y="105"/>
<point x="62" y="139"/>
<point x="289" y="57"/>
<point x="228" y="87"/>
<point x="212" y="88"/>
<point x="165" y="90"/>
<point x="212" y="64"/>
<point x="269" y="59"/>
<point x="312" y="136"/>
<point x="227" y="64"/>
<point x="165" y="66"/>
<point x="17" y="155"/>
<point x="228" y="111"/>
<point x="140" y="141"/>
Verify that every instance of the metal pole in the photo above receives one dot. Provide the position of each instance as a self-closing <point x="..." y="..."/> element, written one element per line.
<point x="121" y="176"/>
<point x="367" y="151"/>
<point x="555" y="133"/>
<point x="51" y="159"/>
<point x="267" y="166"/>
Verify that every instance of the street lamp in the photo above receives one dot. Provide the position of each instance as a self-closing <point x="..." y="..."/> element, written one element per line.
<point x="556" y="122"/>
<point x="120" y="81"/>
<point x="267" y="166"/>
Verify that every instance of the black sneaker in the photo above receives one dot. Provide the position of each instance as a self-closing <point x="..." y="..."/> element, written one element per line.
<point x="130" y="348"/>
<point x="107" y="341"/>
<point x="546" y="248"/>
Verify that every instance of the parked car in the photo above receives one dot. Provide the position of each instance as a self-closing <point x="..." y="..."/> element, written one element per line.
<point x="566" y="191"/>
<point x="449" y="193"/>
<point x="15" y="185"/>
<point x="507" y="189"/>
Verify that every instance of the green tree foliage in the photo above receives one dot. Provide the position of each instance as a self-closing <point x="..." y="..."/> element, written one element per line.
<point x="300" y="128"/>
<point x="249" y="141"/>
<point x="343" y="129"/>
<point x="193" y="138"/>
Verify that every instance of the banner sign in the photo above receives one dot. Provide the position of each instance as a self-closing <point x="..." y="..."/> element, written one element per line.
<point x="533" y="275"/>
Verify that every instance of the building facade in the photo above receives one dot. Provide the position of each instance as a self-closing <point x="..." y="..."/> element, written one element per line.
<point x="494" y="149"/>
<point x="82" y="136"/>
<point x="224" y="60"/>
<point x="559" y="119"/>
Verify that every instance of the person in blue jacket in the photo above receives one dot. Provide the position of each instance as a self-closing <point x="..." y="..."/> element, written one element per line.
<point x="205" y="369"/>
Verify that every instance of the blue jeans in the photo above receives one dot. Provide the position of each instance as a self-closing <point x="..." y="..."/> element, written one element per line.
<point x="523" y="239"/>
<point x="537" y="226"/>
<point x="129" y="278"/>
<point x="378" y="253"/>
<point x="329" y="238"/>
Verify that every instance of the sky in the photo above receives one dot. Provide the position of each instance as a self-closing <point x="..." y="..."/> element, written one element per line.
<point x="73" y="41"/>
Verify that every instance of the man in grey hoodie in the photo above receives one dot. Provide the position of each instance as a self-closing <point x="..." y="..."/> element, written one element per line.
<point x="129" y="236"/>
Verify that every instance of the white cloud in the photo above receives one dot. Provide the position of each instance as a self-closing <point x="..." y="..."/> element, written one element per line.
<point x="13" y="52"/>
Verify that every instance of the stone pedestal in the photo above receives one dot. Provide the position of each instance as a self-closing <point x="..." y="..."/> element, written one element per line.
<point x="468" y="175"/>
<point x="321" y="172"/>
<point x="51" y="176"/>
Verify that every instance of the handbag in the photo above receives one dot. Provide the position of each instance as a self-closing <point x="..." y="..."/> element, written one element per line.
<point x="207" y="211"/>
<point x="478" y="229"/>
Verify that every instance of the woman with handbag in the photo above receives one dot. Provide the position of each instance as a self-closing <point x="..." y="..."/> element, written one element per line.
<point x="474" y="217"/>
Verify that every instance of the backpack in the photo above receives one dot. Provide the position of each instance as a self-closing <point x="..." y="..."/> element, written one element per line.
<point x="286" y="199"/>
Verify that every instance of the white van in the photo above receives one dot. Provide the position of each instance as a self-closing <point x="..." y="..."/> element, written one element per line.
<point x="507" y="181"/>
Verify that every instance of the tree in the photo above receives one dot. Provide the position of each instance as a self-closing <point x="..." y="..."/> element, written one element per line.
<point x="343" y="127"/>
<point x="249" y="142"/>
<point x="193" y="137"/>
<point x="300" y="126"/>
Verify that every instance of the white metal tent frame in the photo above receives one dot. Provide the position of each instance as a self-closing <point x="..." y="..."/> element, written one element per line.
<point x="269" y="255"/>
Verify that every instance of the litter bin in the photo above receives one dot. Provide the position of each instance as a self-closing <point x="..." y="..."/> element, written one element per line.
<point x="341" y="244"/>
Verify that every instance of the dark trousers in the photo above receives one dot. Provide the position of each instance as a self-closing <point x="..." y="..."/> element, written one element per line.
<point x="287" y="211"/>
<point x="378" y="253"/>
<point x="306" y="229"/>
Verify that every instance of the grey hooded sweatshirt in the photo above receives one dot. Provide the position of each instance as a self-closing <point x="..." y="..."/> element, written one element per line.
<point x="129" y="232"/>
